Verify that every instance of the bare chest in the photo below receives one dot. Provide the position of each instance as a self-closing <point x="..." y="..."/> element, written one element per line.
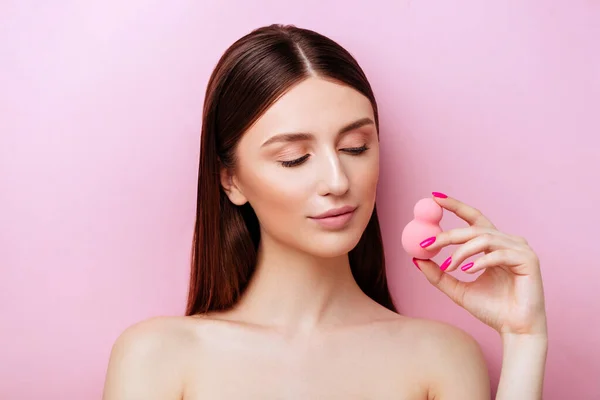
<point x="343" y="369"/>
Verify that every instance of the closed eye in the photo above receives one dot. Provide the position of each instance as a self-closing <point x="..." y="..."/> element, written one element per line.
<point x="355" y="150"/>
<point x="297" y="161"/>
<point x="349" y="150"/>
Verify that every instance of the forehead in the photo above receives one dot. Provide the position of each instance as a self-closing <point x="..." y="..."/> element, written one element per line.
<point x="314" y="105"/>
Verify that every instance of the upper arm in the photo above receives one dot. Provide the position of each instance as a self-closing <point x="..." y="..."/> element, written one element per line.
<point x="142" y="365"/>
<point x="458" y="369"/>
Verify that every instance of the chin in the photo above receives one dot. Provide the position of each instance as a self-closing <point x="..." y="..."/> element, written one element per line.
<point x="333" y="244"/>
<point x="326" y="243"/>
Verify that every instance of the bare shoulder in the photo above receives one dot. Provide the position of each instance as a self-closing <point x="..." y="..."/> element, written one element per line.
<point x="427" y="336"/>
<point x="450" y="359"/>
<point x="438" y="336"/>
<point x="146" y="360"/>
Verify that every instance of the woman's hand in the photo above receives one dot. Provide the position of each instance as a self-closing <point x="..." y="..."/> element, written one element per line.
<point x="508" y="295"/>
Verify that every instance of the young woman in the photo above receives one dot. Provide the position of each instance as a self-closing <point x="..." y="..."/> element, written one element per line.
<point x="288" y="294"/>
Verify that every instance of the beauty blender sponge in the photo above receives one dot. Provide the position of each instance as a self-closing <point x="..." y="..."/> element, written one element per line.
<point x="426" y="223"/>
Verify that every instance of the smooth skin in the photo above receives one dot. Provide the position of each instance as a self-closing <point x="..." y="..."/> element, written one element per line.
<point x="508" y="296"/>
<point x="303" y="329"/>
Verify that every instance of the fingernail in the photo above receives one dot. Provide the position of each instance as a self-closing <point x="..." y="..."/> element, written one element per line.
<point x="415" y="262"/>
<point x="440" y="195"/>
<point x="466" y="266"/>
<point x="446" y="263"/>
<point x="428" y="241"/>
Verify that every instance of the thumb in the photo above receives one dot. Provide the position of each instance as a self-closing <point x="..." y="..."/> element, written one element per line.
<point x="446" y="283"/>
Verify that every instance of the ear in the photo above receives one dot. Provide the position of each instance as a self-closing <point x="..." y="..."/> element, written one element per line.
<point x="231" y="188"/>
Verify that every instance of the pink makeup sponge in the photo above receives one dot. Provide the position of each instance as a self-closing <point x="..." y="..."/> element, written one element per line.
<point x="426" y="224"/>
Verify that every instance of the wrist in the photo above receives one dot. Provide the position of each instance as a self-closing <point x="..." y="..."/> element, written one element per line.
<point x="523" y="366"/>
<point x="530" y="347"/>
<point x="536" y="329"/>
<point x="520" y="341"/>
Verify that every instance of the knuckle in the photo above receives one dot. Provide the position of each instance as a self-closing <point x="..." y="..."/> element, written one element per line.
<point x="477" y="215"/>
<point x="435" y="279"/>
<point x="478" y="230"/>
<point x="481" y="220"/>
<point x="520" y="239"/>
<point x="533" y="258"/>
<point x="453" y="236"/>
<point x="503" y="254"/>
<point x="487" y="237"/>
<point x="459" y="296"/>
<point x="442" y="237"/>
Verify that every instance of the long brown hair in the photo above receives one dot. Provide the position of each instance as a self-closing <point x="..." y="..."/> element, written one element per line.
<point x="250" y="76"/>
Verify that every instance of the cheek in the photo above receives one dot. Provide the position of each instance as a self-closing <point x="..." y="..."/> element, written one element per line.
<point x="364" y="178"/>
<point x="273" y="195"/>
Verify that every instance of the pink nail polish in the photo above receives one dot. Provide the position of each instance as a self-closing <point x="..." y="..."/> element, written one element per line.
<point x="428" y="242"/>
<point x="440" y="195"/>
<point x="415" y="262"/>
<point x="466" y="266"/>
<point x="446" y="264"/>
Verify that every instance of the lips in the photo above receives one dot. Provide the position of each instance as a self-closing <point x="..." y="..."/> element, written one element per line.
<point x="335" y="219"/>
<point x="334" y="212"/>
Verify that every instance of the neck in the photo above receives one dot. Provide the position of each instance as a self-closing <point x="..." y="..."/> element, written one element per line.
<point x="295" y="292"/>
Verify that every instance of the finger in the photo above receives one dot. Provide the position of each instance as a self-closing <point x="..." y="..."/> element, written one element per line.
<point x="455" y="236"/>
<point x="465" y="212"/>
<point x="520" y="262"/>
<point x="485" y="243"/>
<point x="446" y="283"/>
<point x="520" y="240"/>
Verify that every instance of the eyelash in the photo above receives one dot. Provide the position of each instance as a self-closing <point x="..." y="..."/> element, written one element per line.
<point x="350" y="150"/>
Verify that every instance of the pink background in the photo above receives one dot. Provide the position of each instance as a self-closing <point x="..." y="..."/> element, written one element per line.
<point x="495" y="103"/>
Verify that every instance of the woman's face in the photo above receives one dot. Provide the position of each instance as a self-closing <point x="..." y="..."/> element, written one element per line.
<point x="313" y="151"/>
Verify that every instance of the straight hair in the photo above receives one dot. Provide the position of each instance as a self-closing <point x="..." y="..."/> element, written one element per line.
<point x="250" y="76"/>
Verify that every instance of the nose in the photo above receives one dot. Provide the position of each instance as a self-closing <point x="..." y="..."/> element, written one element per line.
<point x="332" y="177"/>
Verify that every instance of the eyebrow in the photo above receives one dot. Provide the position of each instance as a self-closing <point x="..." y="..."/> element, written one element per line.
<point x="299" y="136"/>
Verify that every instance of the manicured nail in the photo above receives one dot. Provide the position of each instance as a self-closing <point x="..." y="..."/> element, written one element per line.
<point x="446" y="264"/>
<point x="415" y="262"/>
<point x="466" y="266"/>
<point x="428" y="241"/>
<point x="440" y="195"/>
